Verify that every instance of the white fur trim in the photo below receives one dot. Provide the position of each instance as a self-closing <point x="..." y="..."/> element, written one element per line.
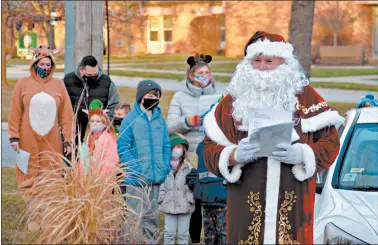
<point x="42" y="113"/>
<point x="307" y="169"/>
<point x="322" y="120"/>
<point x="224" y="158"/>
<point x="212" y="129"/>
<point x="268" y="48"/>
<point x="271" y="205"/>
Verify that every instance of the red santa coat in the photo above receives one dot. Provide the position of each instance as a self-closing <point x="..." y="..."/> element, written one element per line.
<point x="273" y="202"/>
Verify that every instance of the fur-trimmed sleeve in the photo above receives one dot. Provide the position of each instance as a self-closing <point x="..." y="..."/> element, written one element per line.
<point x="220" y="141"/>
<point x="15" y="113"/>
<point x="326" y="148"/>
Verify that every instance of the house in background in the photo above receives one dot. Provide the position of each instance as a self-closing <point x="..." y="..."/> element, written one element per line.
<point x="160" y="27"/>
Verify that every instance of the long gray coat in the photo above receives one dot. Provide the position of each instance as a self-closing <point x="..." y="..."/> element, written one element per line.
<point x="187" y="103"/>
<point x="175" y="197"/>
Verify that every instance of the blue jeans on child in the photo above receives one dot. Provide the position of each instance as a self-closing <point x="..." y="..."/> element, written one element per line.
<point x="173" y="222"/>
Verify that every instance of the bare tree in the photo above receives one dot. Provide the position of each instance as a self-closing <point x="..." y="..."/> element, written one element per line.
<point x="302" y="15"/>
<point x="132" y="16"/>
<point x="30" y="12"/>
<point x="44" y="9"/>
<point x="337" y="15"/>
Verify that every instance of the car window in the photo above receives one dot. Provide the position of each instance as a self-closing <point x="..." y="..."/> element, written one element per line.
<point x="360" y="165"/>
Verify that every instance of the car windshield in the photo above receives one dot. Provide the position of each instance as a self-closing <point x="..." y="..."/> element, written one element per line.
<point x="360" y="165"/>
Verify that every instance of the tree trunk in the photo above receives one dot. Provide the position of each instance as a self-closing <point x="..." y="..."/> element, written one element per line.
<point x="334" y="39"/>
<point x="4" y="83"/>
<point x="302" y="15"/>
<point x="50" y="34"/>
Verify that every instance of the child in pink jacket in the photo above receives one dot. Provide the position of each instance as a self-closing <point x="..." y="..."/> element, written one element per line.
<point x="101" y="144"/>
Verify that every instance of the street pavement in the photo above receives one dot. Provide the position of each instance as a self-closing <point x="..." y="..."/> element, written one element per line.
<point x="334" y="95"/>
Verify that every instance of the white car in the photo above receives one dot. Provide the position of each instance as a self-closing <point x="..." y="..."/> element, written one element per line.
<point x="346" y="203"/>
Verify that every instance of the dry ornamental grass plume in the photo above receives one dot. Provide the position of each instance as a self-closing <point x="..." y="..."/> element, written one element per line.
<point x="75" y="206"/>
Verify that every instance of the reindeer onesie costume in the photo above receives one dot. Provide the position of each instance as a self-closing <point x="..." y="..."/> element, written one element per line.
<point x="38" y="106"/>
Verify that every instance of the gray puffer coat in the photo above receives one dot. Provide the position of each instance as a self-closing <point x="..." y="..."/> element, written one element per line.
<point x="188" y="102"/>
<point x="175" y="197"/>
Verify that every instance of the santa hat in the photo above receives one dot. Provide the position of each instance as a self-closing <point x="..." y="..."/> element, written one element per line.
<point x="268" y="44"/>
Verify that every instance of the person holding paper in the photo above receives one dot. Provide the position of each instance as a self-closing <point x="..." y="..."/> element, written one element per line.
<point x="270" y="198"/>
<point x="40" y="103"/>
<point x="185" y="115"/>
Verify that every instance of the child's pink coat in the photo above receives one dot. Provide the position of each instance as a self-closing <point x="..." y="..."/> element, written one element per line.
<point x="105" y="154"/>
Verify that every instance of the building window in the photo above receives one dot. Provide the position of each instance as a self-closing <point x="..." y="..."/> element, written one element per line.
<point x="154" y="36"/>
<point x="168" y="27"/>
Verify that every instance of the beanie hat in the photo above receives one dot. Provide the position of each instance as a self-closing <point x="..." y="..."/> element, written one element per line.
<point x="268" y="44"/>
<point x="177" y="139"/>
<point x="369" y="98"/>
<point x="144" y="87"/>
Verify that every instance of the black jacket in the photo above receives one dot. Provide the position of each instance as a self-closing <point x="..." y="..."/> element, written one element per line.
<point x="79" y="91"/>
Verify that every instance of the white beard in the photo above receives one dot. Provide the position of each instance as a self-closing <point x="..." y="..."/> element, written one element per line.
<point x="274" y="89"/>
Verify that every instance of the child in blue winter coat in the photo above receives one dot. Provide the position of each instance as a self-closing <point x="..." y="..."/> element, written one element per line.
<point x="211" y="191"/>
<point x="176" y="199"/>
<point x="144" y="148"/>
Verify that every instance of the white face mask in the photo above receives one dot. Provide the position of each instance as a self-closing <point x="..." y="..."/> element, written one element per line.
<point x="176" y="153"/>
<point x="97" y="127"/>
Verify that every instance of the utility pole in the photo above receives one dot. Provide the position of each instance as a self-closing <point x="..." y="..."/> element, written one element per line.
<point x="84" y="34"/>
<point x="4" y="83"/>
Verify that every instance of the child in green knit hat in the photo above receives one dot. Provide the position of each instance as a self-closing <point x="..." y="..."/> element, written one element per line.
<point x="176" y="200"/>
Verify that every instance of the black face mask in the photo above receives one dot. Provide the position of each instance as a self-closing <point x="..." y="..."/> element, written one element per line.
<point x="117" y="121"/>
<point x="150" y="104"/>
<point x="89" y="80"/>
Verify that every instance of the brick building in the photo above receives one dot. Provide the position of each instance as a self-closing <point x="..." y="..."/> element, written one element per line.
<point x="225" y="26"/>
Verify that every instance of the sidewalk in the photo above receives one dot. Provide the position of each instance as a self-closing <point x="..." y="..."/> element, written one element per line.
<point x="19" y="71"/>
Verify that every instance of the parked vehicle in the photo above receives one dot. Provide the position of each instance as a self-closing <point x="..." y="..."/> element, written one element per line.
<point x="346" y="204"/>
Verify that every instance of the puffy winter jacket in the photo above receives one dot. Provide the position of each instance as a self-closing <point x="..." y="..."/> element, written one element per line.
<point x="175" y="196"/>
<point x="188" y="102"/>
<point x="144" y="147"/>
<point x="208" y="188"/>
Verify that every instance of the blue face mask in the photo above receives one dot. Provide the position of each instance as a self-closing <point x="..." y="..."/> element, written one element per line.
<point x="41" y="72"/>
<point x="203" y="80"/>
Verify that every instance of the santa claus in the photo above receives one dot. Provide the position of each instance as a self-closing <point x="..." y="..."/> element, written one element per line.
<point x="270" y="199"/>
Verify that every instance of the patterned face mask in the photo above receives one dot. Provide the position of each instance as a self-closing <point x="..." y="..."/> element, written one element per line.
<point x="203" y="80"/>
<point x="42" y="72"/>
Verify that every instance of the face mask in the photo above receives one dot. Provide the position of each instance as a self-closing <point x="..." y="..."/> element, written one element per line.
<point x="89" y="79"/>
<point x="97" y="128"/>
<point x="117" y="121"/>
<point x="203" y="80"/>
<point x="176" y="153"/>
<point x="150" y="104"/>
<point x="42" y="72"/>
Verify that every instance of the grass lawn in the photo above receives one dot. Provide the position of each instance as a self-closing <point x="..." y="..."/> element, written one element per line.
<point x="230" y="68"/>
<point x="13" y="227"/>
<point x="12" y="208"/>
<point x="347" y="86"/>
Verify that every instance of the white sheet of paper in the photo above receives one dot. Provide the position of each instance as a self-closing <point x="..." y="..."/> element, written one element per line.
<point x="270" y="136"/>
<point x="22" y="160"/>
<point x="266" y="117"/>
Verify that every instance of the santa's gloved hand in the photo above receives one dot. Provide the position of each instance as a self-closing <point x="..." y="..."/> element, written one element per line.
<point x="193" y="121"/>
<point x="292" y="154"/>
<point x="246" y="151"/>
